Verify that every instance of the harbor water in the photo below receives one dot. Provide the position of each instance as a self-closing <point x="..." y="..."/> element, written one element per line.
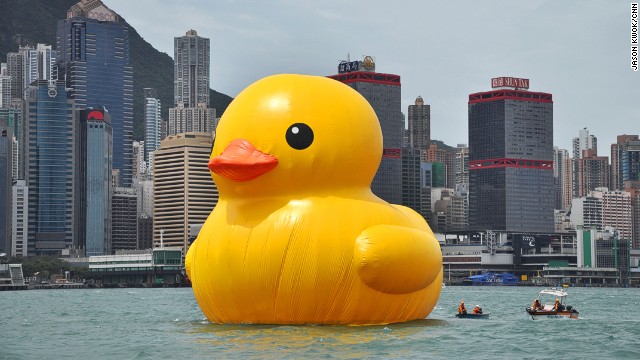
<point x="167" y="323"/>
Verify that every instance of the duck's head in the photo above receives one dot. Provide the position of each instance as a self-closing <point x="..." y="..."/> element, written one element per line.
<point x="296" y="133"/>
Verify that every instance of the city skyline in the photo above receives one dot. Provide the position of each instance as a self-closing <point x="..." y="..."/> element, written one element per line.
<point x="576" y="51"/>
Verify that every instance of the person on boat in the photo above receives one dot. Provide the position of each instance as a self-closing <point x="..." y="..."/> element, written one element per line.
<point x="536" y="305"/>
<point x="461" y="309"/>
<point x="477" y="310"/>
<point x="557" y="306"/>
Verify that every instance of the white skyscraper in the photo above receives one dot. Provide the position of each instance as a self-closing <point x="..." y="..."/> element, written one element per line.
<point x="562" y="178"/>
<point x="38" y="64"/>
<point x="152" y="120"/>
<point x="20" y="215"/>
<point x="584" y="141"/>
<point x="5" y="90"/>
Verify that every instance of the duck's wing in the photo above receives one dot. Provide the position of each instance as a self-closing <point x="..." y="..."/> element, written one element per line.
<point x="397" y="259"/>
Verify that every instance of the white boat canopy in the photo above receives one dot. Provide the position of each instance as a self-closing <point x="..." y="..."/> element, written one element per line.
<point x="553" y="292"/>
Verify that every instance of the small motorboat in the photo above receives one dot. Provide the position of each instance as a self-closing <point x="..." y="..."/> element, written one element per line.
<point x="546" y="309"/>
<point x="473" y="316"/>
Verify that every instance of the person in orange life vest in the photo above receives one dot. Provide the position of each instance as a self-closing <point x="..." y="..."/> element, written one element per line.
<point x="461" y="308"/>
<point x="477" y="310"/>
<point x="536" y="305"/>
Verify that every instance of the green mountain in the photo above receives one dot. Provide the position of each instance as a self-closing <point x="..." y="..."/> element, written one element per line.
<point x="28" y="22"/>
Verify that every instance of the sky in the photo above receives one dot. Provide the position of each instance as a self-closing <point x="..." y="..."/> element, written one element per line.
<point x="579" y="51"/>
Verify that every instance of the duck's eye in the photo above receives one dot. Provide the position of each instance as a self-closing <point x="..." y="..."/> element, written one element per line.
<point x="299" y="136"/>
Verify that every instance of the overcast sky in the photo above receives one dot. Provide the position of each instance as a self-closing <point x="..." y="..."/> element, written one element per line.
<point x="579" y="51"/>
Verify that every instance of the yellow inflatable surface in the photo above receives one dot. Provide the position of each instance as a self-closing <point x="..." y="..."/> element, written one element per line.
<point x="297" y="236"/>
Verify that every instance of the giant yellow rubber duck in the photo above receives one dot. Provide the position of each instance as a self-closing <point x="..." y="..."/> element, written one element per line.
<point x="297" y="236"/>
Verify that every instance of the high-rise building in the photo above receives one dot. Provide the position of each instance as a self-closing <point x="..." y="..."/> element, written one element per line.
<point x="12" y="116"/>
<point x="419" y="122"/>
<point x="460" y="219"/>
<point x="446" y="155"/>
<point x="616" y="212"/>
<point x="411" y="184"/>
<point x="382" y="91"/>
<point x="38" y="64"/>
<point x="590" y="172"/>
<point x="145" y="232"/>
<point x="633" y="188"/>
<point x="191" y="70"/>
<point x="152" y="120"/>
<point x="451" y="209"/>
<point x="586" y="211"/>
<point x="435" y="172"/>
<point x="20" y="217"/>
<point x="562" y="181"/>
<point x="51" y="136"/>
<point x="93" y="57"/>
<point x="139" y="165"/>
<point x="511" y="158"/>
<point x="184" y="193"/>
<point x="191" y="112"/>
<point x="124" y="221"/>
<point x="448" y="210"/>
<point x="97" y="153"/>
<point x="602" y="208"/>
<point x="584" y="141"/>
<point x="5" y="90"/>
<point x="144" y="190"/>
<point x="425" y="190"/>
<point x="461" y="164"/>
<point x="14" y="70"/>
<point x="195" y="119"/>
<point x="6" y="147"/>
<point x="625" y="160"/>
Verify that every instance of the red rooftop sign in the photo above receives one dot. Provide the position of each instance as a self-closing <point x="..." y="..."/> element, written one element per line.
<point x="510" y="82"/>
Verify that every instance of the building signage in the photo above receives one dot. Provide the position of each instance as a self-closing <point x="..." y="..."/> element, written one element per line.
<point x="99" y="13"/>
<point x="531" y="241"/>
<point x="392" y="153"/>
<point x="368" y="63"/>
<point x="95" y="115"/>
<point x="348" y="66"/>
<point x="102" y="14"/>
<point x="510" y="82"/>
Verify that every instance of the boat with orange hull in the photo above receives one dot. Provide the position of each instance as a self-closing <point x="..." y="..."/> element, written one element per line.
<point x="547" y="308"/>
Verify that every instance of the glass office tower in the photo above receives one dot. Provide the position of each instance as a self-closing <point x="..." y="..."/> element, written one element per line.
<point x="382" y="91"/>
<point x="97" y="152"/>
<point x="511" y="161"/>
<point x="51" y="135"/>
<point x="93" y="57"/>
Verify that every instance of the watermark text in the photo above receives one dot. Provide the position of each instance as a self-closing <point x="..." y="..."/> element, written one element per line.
<point x="634" y="36"/>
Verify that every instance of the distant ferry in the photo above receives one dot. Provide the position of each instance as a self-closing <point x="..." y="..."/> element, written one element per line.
<point x="500" y="279"/>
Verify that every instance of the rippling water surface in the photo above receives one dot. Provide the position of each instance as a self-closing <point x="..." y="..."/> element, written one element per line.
<point x="167" y="323"/>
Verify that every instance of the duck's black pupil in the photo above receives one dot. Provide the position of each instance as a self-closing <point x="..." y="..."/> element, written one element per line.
<point x="299" y="136"/>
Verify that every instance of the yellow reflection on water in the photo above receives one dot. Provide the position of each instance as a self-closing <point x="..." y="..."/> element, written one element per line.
<point x="314" y="340"/>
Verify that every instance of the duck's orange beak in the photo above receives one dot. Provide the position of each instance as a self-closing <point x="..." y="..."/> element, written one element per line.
<point x="241" y="161"/>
